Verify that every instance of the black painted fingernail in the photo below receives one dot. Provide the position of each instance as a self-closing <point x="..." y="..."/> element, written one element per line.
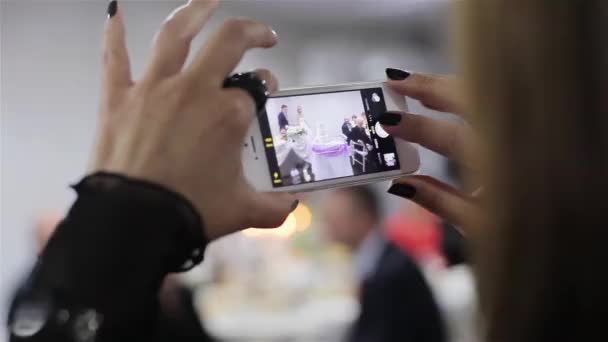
<point x="112" y="8"/>
<point x="402" y="190"/>
<point x="390" y="119"/>
<point x="295" y="205"/>
<point x="397" y="74"/>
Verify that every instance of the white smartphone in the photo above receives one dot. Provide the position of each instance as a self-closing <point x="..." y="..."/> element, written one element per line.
<point x="322" y="137"/>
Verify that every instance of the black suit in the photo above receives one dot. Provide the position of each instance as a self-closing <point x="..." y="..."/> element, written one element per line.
<point x="397" y="304"/>
<point x="358" y="133"/>
<point x="283" y="122"/>
<point x="346" y="128"/>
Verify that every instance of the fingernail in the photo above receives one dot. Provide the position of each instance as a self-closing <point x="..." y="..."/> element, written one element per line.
<point x="294" y="205"/>
<point x="397" y="74"/>
<point x="390" y="119"/>
<point x="112" y="8"/>
<point x="275" y="33"/>
<point x="402" y="190"/>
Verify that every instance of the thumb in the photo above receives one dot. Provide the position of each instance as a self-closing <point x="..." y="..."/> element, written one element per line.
<point x="270" y="209"/>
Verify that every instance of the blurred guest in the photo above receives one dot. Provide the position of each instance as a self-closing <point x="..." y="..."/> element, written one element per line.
<point x="418" y="232"/>
<point x="346" y="127"/>
<point x="302" y="123"/>
<point x="362" y="148"/>
<point x="358" y="133"/>
<point x="353" y="121"/>
<point x="283" y="122"/>
<point x="396" y="302"/>
<point x="363" y="117"/>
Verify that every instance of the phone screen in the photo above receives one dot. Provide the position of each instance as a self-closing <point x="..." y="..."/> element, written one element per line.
<point x="317" y="137"/>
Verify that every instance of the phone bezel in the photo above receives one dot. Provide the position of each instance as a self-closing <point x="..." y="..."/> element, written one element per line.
<point x="255" y="164"/>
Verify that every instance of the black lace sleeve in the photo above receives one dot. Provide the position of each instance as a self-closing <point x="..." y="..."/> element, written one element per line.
<point x="99" y="276"/>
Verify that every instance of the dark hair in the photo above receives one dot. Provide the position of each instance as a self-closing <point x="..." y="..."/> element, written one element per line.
<point x="364" y="198"/>
<point x="283" y="106"/>
<point x="354" y="116"/>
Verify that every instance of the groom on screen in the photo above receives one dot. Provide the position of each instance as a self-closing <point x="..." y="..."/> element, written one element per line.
<point x="283" y="122"/>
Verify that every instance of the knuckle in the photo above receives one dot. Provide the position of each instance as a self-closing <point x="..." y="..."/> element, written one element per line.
<point x="170" y="27"/>
<point x="239" y="111"/>
<point x="453" y="143"/>
<point x="235" y="27"/>
<point x="426" y="85"/>
<point x="413" y="126"/>
<point x="239" y="104"/>
<point x="175" y="31"/>
<point x="434" y="201"/>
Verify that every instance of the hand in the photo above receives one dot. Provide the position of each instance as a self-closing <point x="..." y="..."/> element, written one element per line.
<point x="178" y="127"/>
<point x="452" y="140"/>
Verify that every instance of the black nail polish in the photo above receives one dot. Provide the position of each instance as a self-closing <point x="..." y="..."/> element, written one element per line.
<point x="295" y="205"/>
<point x="397" y="74"/>
<point x="402" y="190"/>
<point x="390" y="119"/>
<point x="112" y="8"/>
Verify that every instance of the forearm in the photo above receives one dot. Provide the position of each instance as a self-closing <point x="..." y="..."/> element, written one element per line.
<point x="101" y="271"/>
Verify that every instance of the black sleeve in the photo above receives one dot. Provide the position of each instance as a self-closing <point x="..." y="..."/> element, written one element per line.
<point x="99" y="276"/>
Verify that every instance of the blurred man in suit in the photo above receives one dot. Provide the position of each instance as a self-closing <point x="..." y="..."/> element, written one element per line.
<point x="359" y="133"/>
<point x="396" y="302"/>
<point x="283" y="122"/>
<point x="346" y="127"/>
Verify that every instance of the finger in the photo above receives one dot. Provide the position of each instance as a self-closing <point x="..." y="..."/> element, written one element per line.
<point x="439" y="198"/>
<point x="239" y="111"/>
<point x="241" y="107"/>
<point x="270" y="209"/>
<point x="226" y="48"/>
<point x="172" y="43"/>
<point x="435" y="92"/>
<point x="270" y="81"/>
<point x="450" y="139"/>
<point x="116" y="65"/>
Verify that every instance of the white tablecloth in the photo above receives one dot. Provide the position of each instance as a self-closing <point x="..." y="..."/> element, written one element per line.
<point x="328" y="166"/>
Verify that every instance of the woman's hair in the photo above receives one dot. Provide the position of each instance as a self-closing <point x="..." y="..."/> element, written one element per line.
<point x="535" y="71"/>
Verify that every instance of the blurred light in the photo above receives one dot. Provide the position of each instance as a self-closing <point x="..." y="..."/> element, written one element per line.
<point x="299" y="220"/>
<point x="303" y="217"/>
<point x="287" y="229"/>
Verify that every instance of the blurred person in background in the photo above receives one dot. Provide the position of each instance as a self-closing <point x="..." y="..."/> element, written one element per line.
<point x="302" y="123"/>
<point x="396" y="301"/>
<point x="346" y="127"/>
<point x="358" y="132"/>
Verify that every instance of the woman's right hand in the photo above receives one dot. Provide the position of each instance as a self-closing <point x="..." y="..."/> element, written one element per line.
<point x="450" y="139"/>
<point x="178" y="127"/>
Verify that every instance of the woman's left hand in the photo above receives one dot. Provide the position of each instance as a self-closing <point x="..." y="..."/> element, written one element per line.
<point x="455" y="141"/>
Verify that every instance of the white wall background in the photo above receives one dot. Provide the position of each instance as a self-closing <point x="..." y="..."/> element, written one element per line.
<point x="49" y="75"/>
<point x="326" y="109"/>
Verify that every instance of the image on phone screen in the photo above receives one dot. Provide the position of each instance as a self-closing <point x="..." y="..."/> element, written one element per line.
<point x="316" y="137"/>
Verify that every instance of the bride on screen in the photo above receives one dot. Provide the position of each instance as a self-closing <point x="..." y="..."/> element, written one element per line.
<point x="302" y="123"/>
